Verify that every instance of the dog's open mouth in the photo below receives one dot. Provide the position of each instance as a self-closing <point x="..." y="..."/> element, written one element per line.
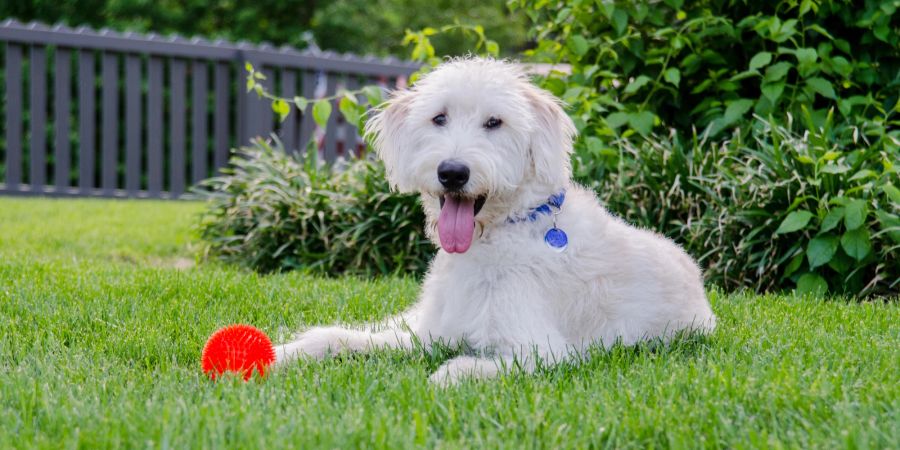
<point x="456" y="224"/>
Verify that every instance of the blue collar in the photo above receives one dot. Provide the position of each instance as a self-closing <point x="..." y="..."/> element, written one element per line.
<point x="554" y="202"/>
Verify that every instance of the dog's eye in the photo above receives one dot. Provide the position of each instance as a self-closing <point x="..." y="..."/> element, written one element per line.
<point x="493" y="123"/>
<point x="439" y="120"/>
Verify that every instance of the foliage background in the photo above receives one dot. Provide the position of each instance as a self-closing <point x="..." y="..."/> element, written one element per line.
<point x="357" y="26"/>
<point x="763" y="136"/>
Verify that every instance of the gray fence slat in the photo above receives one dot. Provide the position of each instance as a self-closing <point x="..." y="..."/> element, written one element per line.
<point x="86" y="122"/>
<point x="331" y="129"/>
<point x="155" y="126"/>
<point x="220" y="119"/>
<point x="38" y="110"/>
<point x="267" y="116"/>
<point x="62" y="93"/>
<point x="199" y="124"/>
<point x="249" y="120"/>
<point x="289" y="126"/>
<point x="110" y="122"/>
<point x="177" y="70"/>
<point x="351" y="134"/>
<point x="307" y="124"/>
<point x="132" y="123"/>
<point x="13" y="116"/>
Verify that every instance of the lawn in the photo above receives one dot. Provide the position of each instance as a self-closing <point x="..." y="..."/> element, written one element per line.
<point x="103" y="316"/>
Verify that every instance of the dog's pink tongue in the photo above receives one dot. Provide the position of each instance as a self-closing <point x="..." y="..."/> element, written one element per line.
<point x="456" y="224"/>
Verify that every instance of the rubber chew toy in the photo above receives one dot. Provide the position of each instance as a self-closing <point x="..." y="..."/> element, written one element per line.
<point x="237" y="348"/>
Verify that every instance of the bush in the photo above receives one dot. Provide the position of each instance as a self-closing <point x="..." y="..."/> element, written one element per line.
<point x="778" y="211"/>
<point x="645" y="65"/>
<point x="272" y="211"/>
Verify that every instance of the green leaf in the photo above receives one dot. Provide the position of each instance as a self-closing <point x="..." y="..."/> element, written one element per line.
<point x="321" y="112"/>
<point x="578" y="45"/>
<point x="855" y="213"/>
<point x="759" y="60"/>
<point x="620" y="21"/>
<point x="831" y="155"/>
<point x="890" y="223"/>
<point x="777" y="71"/>
<point x="892" y="192"/>
<point x="642" y="122"/>
<point x="301" y="103"/>
<point x="835" y="169"/>
<point x="806" y="56"/>
<point x="737" y="109"/>
<point x="794" y="221"/>
<point x="744" y="75"/>
<point x="821" y="86"/>
<point x="818" y="29"/>
<point x="637" y="84"/>
<point x="373" y="95"/>
<point x="673" y="75"/>
<point x="856" y="243"/>
<point x="811" y="283"/>
<point x="820" y="250"/>
<point x="281" y="108"/>
<point x="594" y="145"/>
<point x="832" y="219"/>
<point x="492" y="47"/>
<point x="863" y="174"/>
<point x="347" y="107"/>
<point x="841" y="66"/>
<point x="772" y="91"/>
<point x="616" y="119"/>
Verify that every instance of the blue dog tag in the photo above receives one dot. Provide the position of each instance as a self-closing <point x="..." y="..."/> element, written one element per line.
<point x="556" y="239"/>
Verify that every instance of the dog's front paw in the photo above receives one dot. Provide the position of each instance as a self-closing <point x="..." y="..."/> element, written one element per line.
<point x="316" y="343"/>
<point x="458" y="369"/>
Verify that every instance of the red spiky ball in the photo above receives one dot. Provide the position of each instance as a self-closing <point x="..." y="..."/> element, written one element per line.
<point x="237" y="348"/>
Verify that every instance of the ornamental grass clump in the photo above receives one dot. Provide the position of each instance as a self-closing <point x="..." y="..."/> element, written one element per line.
<point x="273" y="211"/>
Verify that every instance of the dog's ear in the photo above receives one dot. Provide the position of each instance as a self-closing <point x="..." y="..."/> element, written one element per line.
<point x="384" y="132"/>
<point x="551" y="137"/>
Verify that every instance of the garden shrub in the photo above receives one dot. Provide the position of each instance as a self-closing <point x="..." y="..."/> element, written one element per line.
<point x="273" y="211"/>
<point x="644" y="65"/>
<point x="776" y="211"/>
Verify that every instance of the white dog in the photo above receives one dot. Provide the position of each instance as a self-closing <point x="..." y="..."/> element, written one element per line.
<point x="531" y="266"/>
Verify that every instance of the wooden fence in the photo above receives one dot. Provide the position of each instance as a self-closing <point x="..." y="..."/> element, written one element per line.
<point x="101" y="113"/>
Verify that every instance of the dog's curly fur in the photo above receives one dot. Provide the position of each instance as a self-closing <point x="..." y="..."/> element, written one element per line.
<point x="509" y="296"/>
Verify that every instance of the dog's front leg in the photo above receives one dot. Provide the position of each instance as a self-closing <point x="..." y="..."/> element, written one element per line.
<point x="461" y="367"/>
<point x="321" y="341"/>
<point x="476" y="368"/>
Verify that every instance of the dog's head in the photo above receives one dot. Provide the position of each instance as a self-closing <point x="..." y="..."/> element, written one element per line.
<point x="477" y="140"/>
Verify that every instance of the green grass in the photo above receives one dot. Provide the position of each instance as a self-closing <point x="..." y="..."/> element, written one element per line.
<point x="102" y="327"/>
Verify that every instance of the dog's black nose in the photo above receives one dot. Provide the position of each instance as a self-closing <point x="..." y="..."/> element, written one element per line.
<point x="453" y="174"/>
